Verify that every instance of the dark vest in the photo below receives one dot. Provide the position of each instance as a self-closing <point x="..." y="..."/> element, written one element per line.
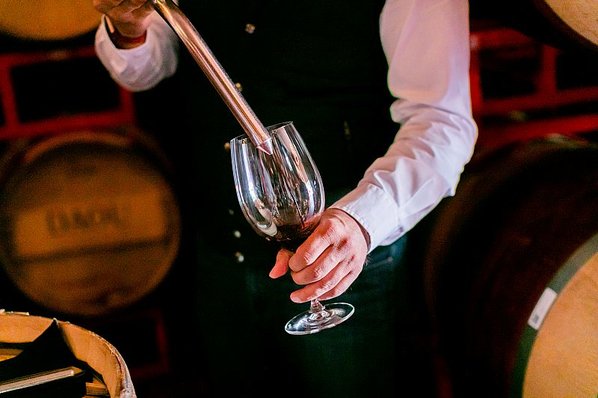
<point x="319" y="64"/>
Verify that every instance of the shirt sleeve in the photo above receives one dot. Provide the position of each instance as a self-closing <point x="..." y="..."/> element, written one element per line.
<point x="142" y="67"/>
<point x="426" y="43"/>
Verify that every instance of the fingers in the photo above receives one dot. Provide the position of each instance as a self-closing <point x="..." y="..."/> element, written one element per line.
<point x="124" y="6"/>
<point x="330" y="260"/>
<point x="281" y="266"/>
<point x="127" y="15"/>
<point x="104" y="6"/>
<point x="313" y="247"/>
<point x="332" y="285"/>
<point x="339" y="288"/>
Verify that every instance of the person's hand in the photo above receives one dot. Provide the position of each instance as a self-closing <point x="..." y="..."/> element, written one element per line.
<point x="329" y="260"/>
<point x="129" y="17"/>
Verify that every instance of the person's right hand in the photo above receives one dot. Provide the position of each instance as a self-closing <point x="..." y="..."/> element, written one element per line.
<point x="129" y="17"/>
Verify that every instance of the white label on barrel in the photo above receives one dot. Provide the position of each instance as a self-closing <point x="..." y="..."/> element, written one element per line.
<point x="72" y="226"/>
<point x="541" y="308"/>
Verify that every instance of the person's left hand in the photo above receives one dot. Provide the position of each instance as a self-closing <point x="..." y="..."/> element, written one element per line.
<point x="329" y="260"/>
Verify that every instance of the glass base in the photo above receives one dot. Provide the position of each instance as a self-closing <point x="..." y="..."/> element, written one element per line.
<point x="309" y="322"/>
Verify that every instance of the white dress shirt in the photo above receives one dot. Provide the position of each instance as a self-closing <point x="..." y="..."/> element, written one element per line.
<point x="426" y="43"/>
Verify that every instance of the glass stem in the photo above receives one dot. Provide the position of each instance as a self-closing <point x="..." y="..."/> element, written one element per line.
<point x="317" y="312"/>
<point x="315" y="306"/>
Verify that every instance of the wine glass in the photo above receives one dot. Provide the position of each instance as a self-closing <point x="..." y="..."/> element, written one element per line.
<point x="282" y="198"/>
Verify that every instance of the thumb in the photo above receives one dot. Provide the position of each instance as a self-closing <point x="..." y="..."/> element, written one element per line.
<point x="282" y="264"/>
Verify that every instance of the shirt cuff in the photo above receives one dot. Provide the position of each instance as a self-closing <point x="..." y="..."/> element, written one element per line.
<point x="379" y="221"/>
<point x="116" y="58"/>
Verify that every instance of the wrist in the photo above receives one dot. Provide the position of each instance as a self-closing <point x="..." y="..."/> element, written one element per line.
<point x="121" y="41"/>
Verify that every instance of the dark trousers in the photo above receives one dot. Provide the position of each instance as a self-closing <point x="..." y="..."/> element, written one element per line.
<point x="245" y="351"/>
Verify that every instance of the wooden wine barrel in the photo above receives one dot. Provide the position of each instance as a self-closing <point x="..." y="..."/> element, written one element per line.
<point x="87" y="346"/>
<point x="47" y="19"/>
<point x="568" y="24"/>
<point x="578" y="18"/>
<point x="520" y="234"/>
<point x="560" y="343"/>
<point x="89" y="220"/>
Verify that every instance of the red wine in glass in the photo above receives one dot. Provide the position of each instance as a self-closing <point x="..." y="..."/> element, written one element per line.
<point x="282" y="197"/>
